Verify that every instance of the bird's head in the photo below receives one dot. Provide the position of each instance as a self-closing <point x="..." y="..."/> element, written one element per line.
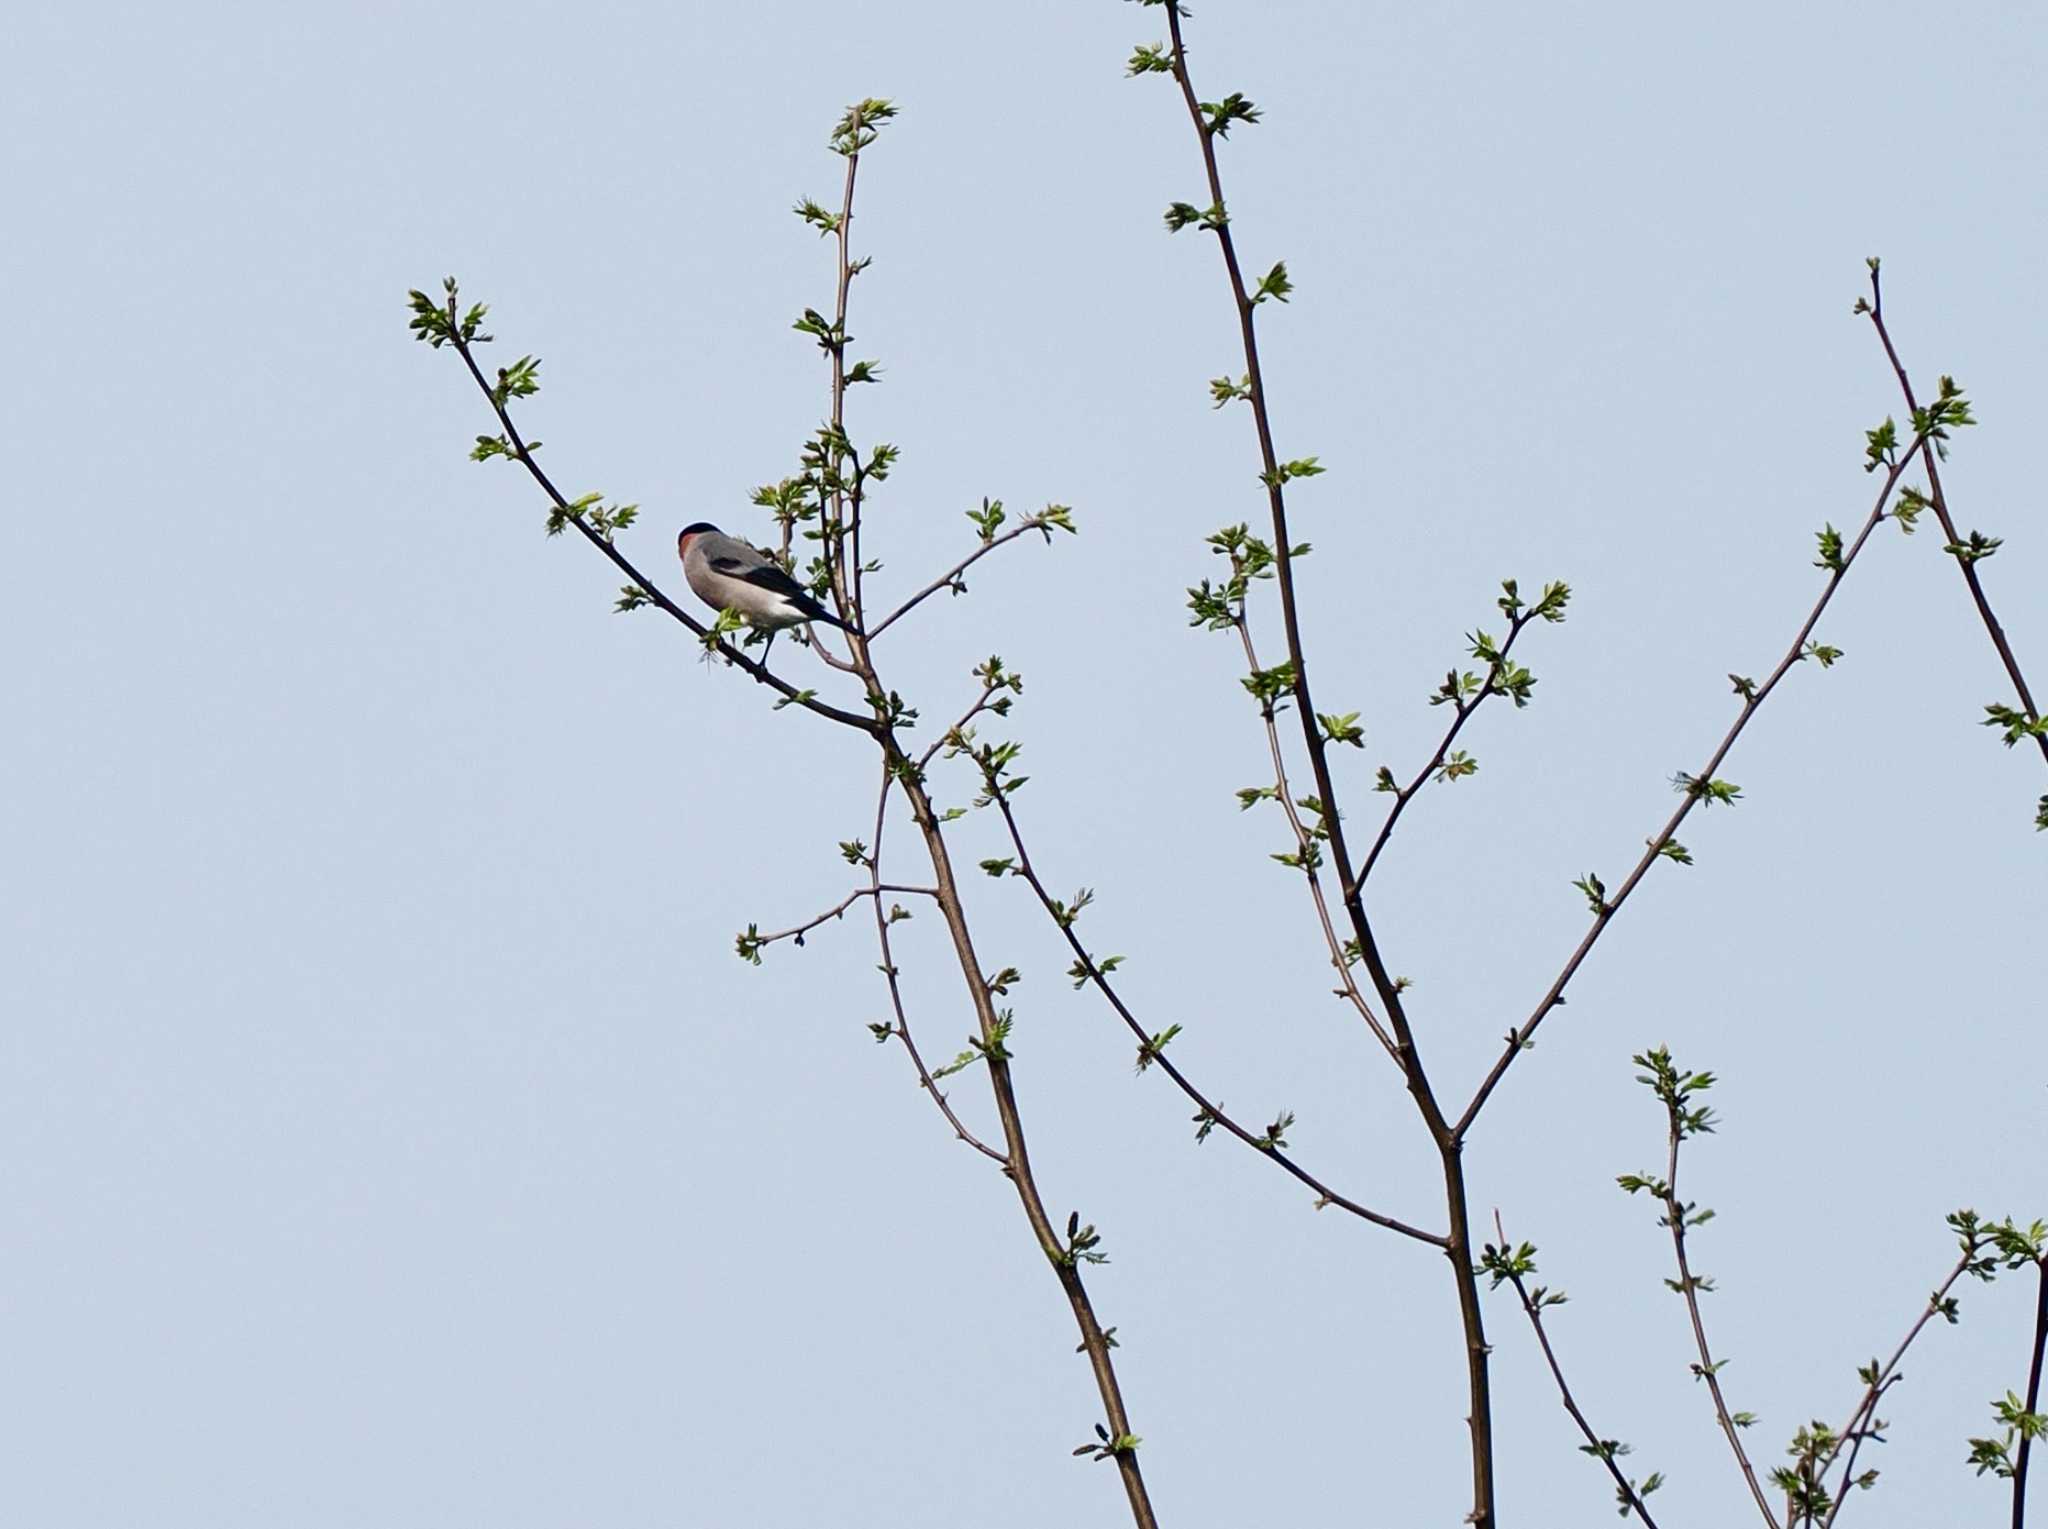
<point x="697" y="528"/>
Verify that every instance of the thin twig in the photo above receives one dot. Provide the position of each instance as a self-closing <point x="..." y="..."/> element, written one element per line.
<point x="1849" y="1465"/>
<point x="1306" y="846"/>
<point x="1706" y="1369"/>
<point x="1464" y="709"/>
<point x="947" y="578"/>
<point x="1600" y="1449"/>
<point x="1948" y="525"/>
<point x="798" y="932"/>
<point x="901" y="1029"/>
<point x="1518" y="1039"/>
<point x="847" y="587"/>
<point x="1875" y="1388"/>
<point x="957" y="730"/>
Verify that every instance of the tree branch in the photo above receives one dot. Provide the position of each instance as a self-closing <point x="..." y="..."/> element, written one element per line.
<point x="1308" y="850"/>
<point x="1458" y="1252"/>
<point x="1603" y="1450"/>
<point x="1031" y="523"/>
<point x="1518" y="1040"/>
<point x="732" y="655"/>
<point x="1463" y="714"/>
<point x="2026" y="1445"/>
<point x="901" y="1029"/>
<point x="1675" y="1211"/>
<point x="1877" y="1382"/>
<point x="1939" y="499"/>
<point x="797" y="932"/>
<point x="1121" y="1443"/>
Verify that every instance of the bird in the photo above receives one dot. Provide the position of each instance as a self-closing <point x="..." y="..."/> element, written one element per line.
<point x="727" y="574"/>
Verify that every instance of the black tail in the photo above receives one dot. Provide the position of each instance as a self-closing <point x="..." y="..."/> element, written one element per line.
<point x="813" y="611"/>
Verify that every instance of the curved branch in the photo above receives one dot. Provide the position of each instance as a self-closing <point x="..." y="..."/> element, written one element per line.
<point x="1031" y="523"/>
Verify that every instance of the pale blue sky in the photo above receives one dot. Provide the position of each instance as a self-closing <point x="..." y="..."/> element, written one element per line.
<point x="392" y="1137"/>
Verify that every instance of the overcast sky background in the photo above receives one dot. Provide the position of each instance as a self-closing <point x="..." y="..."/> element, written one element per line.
<point x="390" y="1134"/>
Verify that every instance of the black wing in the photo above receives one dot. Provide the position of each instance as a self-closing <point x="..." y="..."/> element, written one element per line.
<point x="765" y="574"/>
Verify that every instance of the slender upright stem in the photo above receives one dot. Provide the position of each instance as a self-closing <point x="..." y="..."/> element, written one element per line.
<point x="1309" y="850"/>
<point x="2026" y="1449"/>
<point x="1458" y="1250"/>
<point x="909" y="779"/>
<point x="1093" y="1340"/>
<point x="901" y="1029"/>
<point x="1707" y="1369"/>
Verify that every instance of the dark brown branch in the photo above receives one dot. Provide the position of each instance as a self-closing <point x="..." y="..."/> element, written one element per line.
<point x="1706" y="1369"/>
<point x="732" y="655"/>
<point x="1600" y="1449"/>
<point x="1518" y="1039"/>
<point x="1093" y="1341"/>
<point x="1948" y="525"/>
<point x="1155" y="1055"/>
<point x="1458" y="1252"/>
<point x="2026" y="1449"/>
<point x="898" y="768"/>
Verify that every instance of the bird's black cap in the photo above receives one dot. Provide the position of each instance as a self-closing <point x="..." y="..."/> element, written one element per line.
<point x="693" y="529"/>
